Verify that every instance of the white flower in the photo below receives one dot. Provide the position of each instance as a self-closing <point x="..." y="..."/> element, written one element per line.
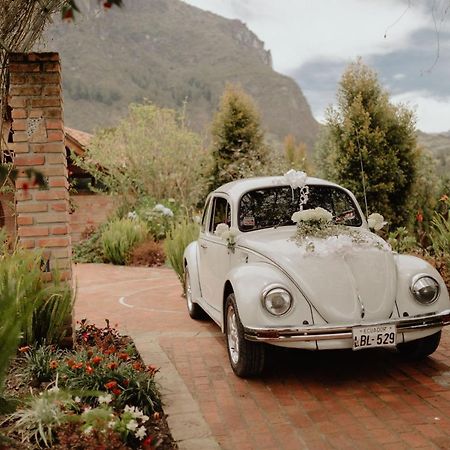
<point x="141" y="432"/>
<point x="159" y="208"/>
<point x="105" y="398"/>
<point x="132" y="215"/>
<point x="296" y="179"/>
<point x="87" y="430"/>
<point x="317" y="214"/>
<point x="220" y="229"/>
<point x="77" y="399"/>
<point x="376" y="221"/>
<point x="167" y="212"/>
<point x="111" y="424"/>
<point x="132" y="425"/>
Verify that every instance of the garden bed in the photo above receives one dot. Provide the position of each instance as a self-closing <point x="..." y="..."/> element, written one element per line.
<point x="98" y="395"/>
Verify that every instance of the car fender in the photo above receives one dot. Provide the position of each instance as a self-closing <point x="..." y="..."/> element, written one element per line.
<point x="190" y="259"/>
<point x="407" y="268"/>
<point x="248" y="281"/>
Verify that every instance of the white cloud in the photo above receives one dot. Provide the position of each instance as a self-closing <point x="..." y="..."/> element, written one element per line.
<point x="433" y="115"/>
<point x="297" y="31"/>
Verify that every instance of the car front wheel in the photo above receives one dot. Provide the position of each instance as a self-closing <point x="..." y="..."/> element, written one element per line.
<point x="420" y="348"/>
<point x="194" y="309"/>
<point x="246" y="357"/>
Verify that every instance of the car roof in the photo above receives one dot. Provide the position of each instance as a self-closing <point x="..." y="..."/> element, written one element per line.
<point x="239" y="187"/>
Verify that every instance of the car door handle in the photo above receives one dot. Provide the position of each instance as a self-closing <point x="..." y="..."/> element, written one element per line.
<point x="203" y="246"/>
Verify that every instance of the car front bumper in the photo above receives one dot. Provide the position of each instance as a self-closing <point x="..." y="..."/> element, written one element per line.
<point x="328" y="332"/>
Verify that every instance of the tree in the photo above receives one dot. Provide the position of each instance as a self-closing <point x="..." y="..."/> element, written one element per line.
<point x="149" y="153"/>
<point x="296" y="154"/>
<point x="238" y="141"/>
<point x="369" y="144"/>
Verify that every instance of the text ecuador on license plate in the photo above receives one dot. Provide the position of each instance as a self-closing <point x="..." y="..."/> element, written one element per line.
<point x="374" y="336"/>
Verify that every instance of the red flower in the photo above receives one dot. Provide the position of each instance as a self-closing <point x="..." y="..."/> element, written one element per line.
<point x="107" y="5"/>
<point x="137" y="365"/>
<point x="68" y="15"/>
<point x="419" y="217"/>
<point x="125" y="382"/>
<point x="116" y="391"/>
<point x="85" y="337"/>
<point x="78" y="365"/>
<point x="152" y="369"/>
<point x="96" y="360"/>
<point x="112" y="365"/>
<point x="123" y="356"/>
<point x="24" y="349"/>
<point x="111" y="384"/>
<point x="53" y="364"/>
<point x="89" y="369"/>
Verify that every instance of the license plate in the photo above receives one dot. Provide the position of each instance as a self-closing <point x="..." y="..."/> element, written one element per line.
<point x="374" y="336"/>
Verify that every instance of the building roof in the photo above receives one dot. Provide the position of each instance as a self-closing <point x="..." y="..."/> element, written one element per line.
<point x="79" y="139"/>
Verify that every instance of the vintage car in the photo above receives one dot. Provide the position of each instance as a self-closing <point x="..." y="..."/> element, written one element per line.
<point x="290" y="261"/>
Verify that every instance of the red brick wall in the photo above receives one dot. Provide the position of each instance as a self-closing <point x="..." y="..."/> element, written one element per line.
<point x="38" y="142"/>
<point x="91" y="210"/>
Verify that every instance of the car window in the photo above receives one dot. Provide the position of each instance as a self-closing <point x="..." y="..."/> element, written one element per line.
<point x="205" y="215"/>
<point x="221" y="213"/>
<point x="274" y="206"/>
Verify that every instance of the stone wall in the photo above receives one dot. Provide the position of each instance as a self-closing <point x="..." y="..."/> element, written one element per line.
<point x="42" y="216"/>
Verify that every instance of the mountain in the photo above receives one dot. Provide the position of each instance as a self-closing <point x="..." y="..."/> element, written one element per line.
<point x="168" y="52"/>
<point x="439" y="146"/>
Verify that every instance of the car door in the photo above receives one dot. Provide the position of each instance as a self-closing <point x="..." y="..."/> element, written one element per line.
<point x="214" y="256"/>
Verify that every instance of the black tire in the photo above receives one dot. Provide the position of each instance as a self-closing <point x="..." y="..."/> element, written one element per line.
<point x="194" y="309"/>
<point x="246" y="357"/>
<point x="420" y="348"/>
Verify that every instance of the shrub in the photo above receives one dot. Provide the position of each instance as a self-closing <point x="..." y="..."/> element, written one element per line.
<point x="148" y="254"/>
<point x="150" y="153"/>
<point x="22" y="284"/>
<point x="180" y="236"/>
<point x="119" y="238"/>
<point x="89" y="249"/>
<point x="440" y="233"/>
<point x="401" y="241"/>
<point x="41" y="362"/>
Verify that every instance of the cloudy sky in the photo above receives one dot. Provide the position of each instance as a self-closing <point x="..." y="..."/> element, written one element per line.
<point x="406" y="41"/>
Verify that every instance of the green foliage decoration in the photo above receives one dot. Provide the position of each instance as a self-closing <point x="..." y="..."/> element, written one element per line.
<point x="365" y="128"/>
<point x="239" y="150"/>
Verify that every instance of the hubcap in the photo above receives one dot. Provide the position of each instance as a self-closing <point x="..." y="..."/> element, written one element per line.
<point x="188" y="291"/>
<point x="232" y="335"/>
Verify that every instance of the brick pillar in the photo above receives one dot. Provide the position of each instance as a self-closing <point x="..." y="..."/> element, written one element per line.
<point x="38" y="142"/>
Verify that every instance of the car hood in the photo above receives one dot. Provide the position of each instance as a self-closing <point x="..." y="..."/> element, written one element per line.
<point x="345" y="282"/>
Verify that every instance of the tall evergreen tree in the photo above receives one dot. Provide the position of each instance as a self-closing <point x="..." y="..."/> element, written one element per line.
<point x="238" y="140"/>
<point x="366" y="131"/>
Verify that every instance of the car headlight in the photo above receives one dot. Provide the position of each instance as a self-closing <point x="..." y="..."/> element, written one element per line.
<point x="425" y="289"/>
<point x="276" y="300"/>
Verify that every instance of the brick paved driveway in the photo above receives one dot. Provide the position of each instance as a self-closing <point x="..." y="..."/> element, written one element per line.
<point x="323" y="400"/>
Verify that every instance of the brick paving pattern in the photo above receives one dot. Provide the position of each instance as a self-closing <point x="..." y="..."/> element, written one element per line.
<point x="310" y="400"/>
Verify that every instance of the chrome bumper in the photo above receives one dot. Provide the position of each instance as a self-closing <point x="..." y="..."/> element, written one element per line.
<point x="327" y="332"/>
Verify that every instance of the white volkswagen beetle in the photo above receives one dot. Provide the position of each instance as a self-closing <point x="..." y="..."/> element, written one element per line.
<point x="290" y="261"/>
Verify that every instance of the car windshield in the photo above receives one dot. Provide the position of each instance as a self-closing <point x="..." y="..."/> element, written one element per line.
<point x="274" y="206"/>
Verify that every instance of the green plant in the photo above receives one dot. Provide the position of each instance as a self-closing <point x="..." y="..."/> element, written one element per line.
<point x="119" y="238"/>
<point x="440" y="233"/>
<point x="401" y="241"/>
<point x="37" y="421"/>
<point x="41" y="362"/>
<point x="180" y="236"/>
<point x="89" y="250"/>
